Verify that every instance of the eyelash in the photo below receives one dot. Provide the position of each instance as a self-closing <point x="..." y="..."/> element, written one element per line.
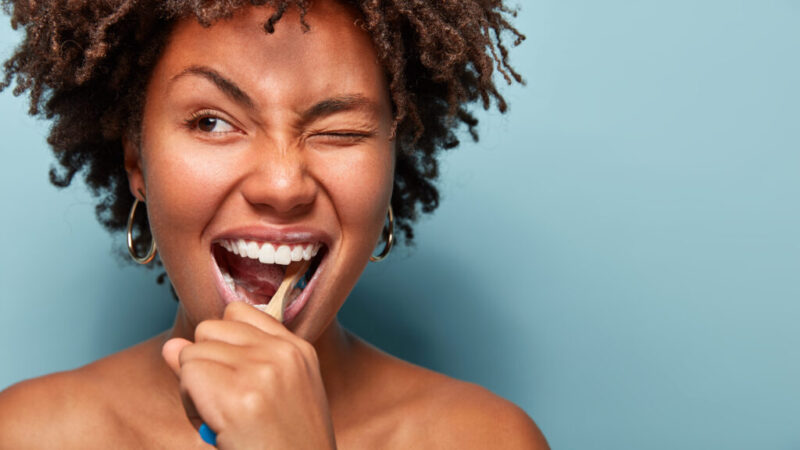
<point x="353" y="136"/>
<point x="192" y="124"/>
<point x="192" y="121"/>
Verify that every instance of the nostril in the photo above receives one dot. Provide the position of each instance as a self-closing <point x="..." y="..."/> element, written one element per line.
<point x="280" y="193"/>
<point x="278" y="176"/>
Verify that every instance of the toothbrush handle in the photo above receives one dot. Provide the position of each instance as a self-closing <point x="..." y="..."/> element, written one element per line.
<point x="208" y="435"/>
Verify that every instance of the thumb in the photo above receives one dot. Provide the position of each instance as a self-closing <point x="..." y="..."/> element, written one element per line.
<point x="171" y="352"/>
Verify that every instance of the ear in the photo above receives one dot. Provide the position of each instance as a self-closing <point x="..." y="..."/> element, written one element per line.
<point x="133" y="167"/>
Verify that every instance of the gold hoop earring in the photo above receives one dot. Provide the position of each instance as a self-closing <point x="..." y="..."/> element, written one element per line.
<point x="151" y="254"/>
<point x="389" y="239"/>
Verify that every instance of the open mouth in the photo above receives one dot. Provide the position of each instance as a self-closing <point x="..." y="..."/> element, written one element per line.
<point x="252" y="271"/>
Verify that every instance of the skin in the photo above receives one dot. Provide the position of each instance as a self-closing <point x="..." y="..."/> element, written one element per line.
<point x="261" y="164"/>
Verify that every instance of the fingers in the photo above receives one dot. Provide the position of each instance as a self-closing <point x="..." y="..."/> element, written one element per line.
<point x="243" y="312"/>
<point x="242" y="326"/>
<point x="269" y="350"/>
<point x="200" y="367"/>
<point x="200" y="379"/>
<point x="171" y="353"/>
<point x="230" y="332"/>
<point x="239" y="370"/>
<point x="215" y="351"/>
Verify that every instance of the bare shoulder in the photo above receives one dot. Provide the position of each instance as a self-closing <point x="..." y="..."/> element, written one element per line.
<point x="74" y="409"/>
<point x="49" y="410"/>
<point x="464" y="415"/>
<point x="421" y="408"/>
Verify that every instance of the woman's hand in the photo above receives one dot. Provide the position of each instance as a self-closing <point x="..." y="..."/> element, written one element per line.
<point x="253" y="382"/>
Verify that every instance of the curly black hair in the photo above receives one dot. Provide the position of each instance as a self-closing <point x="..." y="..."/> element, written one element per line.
<point x="85" y="64"/>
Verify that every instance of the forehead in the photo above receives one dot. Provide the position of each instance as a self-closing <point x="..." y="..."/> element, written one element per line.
<point x="334" y="56"/>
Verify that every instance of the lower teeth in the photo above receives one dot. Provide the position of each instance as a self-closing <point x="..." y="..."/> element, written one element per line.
<point x="229" y="281"/>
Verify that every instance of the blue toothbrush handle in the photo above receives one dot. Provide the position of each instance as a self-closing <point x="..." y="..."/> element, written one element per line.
<point x="208" y="435"/>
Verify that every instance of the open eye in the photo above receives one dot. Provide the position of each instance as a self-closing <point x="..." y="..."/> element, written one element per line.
<point x="209" y="122"/>
<point x="213" y="125"/>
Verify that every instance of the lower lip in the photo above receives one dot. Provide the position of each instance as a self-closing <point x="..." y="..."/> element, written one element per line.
<point x="291" y="311"/>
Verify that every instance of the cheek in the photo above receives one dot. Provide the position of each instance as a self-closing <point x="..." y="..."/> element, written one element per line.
<point x="360" y="188"/>
<point x="186" y="186"/>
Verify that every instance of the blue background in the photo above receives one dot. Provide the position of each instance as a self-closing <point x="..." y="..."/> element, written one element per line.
<point x="619" y="254"/>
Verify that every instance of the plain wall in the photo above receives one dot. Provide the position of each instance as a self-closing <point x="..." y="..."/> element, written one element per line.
<point x="619" y="254"/>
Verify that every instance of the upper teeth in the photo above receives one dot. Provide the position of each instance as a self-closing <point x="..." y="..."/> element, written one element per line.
<point x="269" y="253"/>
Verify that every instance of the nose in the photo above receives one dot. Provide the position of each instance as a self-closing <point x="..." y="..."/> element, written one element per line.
<point x="278" y="181"/>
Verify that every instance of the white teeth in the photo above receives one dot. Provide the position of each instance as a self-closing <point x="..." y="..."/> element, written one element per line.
<point x="283" y="255"/>
<point x="229" y="281"/>
<point x="297" y="253"/>
<point x="269" y="253"/>
<point x="242" y="247"/>
<point x="252" y="250"/>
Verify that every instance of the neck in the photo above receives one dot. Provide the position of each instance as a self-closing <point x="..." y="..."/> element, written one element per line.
<point x="336" y="351"/>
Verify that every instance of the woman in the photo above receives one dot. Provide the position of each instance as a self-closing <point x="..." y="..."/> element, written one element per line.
<point x="259" y="137"/>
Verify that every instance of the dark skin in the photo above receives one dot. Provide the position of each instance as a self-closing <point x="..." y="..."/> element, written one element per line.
<point x="264" y="160"/>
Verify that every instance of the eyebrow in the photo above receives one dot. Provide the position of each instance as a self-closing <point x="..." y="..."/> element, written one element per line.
<point x="225" y="85"/>
<point x="321" y="109"/>
<point x="334" y="105"/>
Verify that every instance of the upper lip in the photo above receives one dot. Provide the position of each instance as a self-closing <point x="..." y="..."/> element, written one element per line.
<point x="287" y="235"/>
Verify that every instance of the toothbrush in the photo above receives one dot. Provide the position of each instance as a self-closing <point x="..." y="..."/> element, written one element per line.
<point x="208" y="436"/>
<point x="274" y="308"/>
<point x="280" y="299"/>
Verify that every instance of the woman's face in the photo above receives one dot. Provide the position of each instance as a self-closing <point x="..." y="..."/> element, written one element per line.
<point x="272" y="144"/>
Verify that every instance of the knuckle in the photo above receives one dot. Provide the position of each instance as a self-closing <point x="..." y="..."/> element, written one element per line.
<point x="184" y="356"/>
<point x="202" y="330"/>
<point x="289" y="353"/>
<point x="308" y="351"/>
<point x="251" y="401"/>
<point x="267" y="374"/>
<point x="189" y="374"/>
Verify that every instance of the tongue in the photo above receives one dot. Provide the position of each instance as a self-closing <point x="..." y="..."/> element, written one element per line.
<point x="255" y="276"/>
